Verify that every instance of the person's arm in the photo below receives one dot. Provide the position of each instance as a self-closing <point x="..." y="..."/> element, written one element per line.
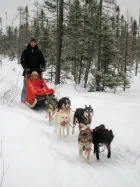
<point x="42" y="61"/>
<point x="23" y="60"/>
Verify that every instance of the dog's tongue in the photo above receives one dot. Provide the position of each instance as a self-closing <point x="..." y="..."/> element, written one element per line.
<point x="62" y="123"/>
<point x="89" y="118"/>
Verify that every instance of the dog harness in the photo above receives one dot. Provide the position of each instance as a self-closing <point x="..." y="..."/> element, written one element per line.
<point x="82" y="126"/>
<point x="87" y="149"/>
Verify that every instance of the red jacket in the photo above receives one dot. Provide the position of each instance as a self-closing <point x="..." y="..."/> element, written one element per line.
<point x="36" y="88"/>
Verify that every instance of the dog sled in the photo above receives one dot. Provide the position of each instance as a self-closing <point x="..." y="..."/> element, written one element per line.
<point x="37" y="91"/>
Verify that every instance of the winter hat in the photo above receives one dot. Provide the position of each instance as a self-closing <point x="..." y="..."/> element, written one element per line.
<point x="34" y="73"/>
<point x="33" y="40"/>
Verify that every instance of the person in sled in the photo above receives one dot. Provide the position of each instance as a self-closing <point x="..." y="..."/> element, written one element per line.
<point x="36" y="81"/>
<point x="36" y="88"/>
<point x="32" y="59"/>
<point x="34" y="76"/>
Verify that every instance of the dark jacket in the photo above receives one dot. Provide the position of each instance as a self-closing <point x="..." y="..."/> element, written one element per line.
<point x="33" y="59"/>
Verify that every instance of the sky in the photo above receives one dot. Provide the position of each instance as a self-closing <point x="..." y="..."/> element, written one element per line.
<point x="10" y="6"/>
<point x="133" y="7"/>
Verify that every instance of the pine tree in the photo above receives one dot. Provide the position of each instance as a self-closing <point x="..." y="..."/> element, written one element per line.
<point x="59" y="42"/>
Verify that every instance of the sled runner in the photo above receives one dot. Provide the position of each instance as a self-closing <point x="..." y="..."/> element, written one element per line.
<point x="37" y="91"/>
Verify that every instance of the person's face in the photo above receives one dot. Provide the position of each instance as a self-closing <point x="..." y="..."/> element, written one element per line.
<point x="33" y="44"/>
<point x="34" y="77"/>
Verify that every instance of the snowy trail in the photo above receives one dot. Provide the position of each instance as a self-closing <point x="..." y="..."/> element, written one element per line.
<point x="122" y="164"/>
<point x="36" y="157"/>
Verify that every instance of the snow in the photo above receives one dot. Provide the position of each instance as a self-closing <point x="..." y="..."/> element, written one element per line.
<point x="34" y="156"/>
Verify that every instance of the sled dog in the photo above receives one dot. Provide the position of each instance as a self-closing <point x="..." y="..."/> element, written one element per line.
<point x="61" y="121"/>
<point x="64" y="104"/>
<point x="83" y="117"/>
<point x="51" y="105"/>
<point x="102" y="136"/>
<point x="85" y="143"/>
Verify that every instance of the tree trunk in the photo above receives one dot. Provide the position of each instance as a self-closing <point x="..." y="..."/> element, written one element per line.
<point x="136" y="69"/>
<point x="80" y="71"/>
<point x="59" y="41"/>
<point x="91" y="49"/>
<point x="99" y="47"/>
<point x="19" y="38"/>
<point x="125" y="57"/>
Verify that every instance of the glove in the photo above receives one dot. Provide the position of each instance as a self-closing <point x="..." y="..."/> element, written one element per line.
<point x="42" y="69"/>
<point x="27" y="70"/>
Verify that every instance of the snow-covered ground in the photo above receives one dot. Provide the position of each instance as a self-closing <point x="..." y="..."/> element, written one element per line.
<point x="33" y="156"/>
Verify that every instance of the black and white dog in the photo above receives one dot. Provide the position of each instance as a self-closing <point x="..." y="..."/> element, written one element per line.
<point x="102" y="136"/>
<point x="64" y="104"/>
<point x="83" y="117"/>
<point x="53" y="105"/>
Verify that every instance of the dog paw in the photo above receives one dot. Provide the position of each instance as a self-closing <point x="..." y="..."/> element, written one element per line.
<point x="97" y="156"/>
<point x="87" y="161"/>
<point x="72" y="132"/>
<point x="109" y="155"/>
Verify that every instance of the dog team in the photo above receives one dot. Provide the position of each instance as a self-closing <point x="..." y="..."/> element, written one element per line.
<point x="58" y="112"/>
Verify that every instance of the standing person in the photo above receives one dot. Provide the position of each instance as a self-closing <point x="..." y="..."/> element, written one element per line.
<point x="32" y="59"/>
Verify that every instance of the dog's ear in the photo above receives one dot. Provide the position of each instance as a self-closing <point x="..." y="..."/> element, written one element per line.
<point x="102" y="126"/>
<point x="91" y="109"/>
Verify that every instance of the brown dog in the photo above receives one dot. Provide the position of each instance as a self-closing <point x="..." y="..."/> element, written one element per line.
<point x="51" y="105"/>
<point x="85" y="143"/>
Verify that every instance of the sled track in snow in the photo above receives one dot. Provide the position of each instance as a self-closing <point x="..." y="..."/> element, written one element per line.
<point x="123" y="162"/>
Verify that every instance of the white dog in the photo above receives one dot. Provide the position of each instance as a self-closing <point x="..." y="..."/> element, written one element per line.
<point x="61" y="121"/>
